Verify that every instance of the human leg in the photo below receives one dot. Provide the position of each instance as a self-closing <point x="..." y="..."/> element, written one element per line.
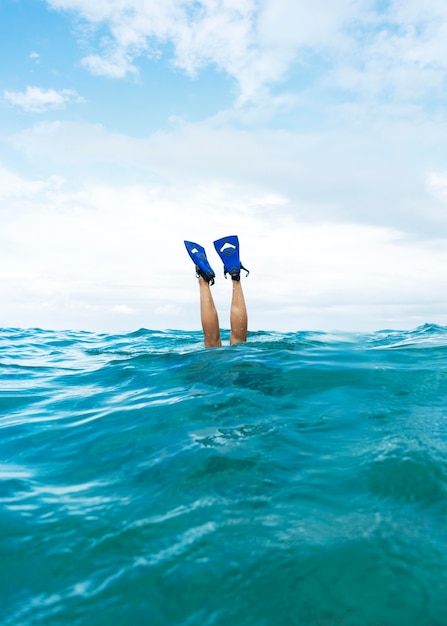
<point x="228" y="250"/>
<point x="238" y="314"/>
<point x="208" y="315"/>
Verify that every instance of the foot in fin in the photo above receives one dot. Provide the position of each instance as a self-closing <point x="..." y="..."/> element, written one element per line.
<point x="198" y="255"/>
<point x="228" y="250"/>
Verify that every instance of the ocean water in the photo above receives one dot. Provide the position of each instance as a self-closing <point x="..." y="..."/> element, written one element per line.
<point x="298" y="479"/>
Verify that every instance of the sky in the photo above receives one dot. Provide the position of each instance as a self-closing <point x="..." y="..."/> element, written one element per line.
<point x="315" y="131"/>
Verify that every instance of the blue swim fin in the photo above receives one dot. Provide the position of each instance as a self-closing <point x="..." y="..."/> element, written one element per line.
<point x="198" y="255"/>
<point x="228" y="250"/>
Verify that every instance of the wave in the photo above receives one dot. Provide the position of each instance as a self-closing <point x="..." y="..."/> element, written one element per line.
<point x="300" y="478"/>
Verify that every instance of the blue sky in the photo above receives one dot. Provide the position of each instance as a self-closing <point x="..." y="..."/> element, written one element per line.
<point x="315" y="131"/>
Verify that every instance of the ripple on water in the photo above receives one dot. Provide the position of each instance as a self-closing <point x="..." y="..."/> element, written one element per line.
<point x="299" y="479"/>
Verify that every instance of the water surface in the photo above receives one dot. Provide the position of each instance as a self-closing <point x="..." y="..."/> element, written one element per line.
<point x="298" y="479"/>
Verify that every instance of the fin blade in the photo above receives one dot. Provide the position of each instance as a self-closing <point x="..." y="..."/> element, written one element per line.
<point x="228" y="250"/>
<point x="198" y="256"/>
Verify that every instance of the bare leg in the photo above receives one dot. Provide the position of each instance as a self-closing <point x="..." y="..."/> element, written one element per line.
<point x="208" y="314"/>
<point x="238" y="314"/>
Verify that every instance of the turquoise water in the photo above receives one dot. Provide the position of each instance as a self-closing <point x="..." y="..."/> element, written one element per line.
<point x="298" y="479"/>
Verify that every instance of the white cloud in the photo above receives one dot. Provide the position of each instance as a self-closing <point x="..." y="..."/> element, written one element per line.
<point x="255" y="43"/>
<point x="37" y="100"/>
<point x="111" y="257"/>
<point x="14" y="186"/>
<point x="437" y="185"/>
<point x="35" y="56"/>
<point x="403" y="55"/>
<point x="356" y="174"/>
<point x="373" y="51"/>
<point x="115" y="65"/>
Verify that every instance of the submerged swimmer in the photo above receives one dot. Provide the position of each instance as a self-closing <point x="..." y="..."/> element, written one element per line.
<point x="228" y="250"/>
